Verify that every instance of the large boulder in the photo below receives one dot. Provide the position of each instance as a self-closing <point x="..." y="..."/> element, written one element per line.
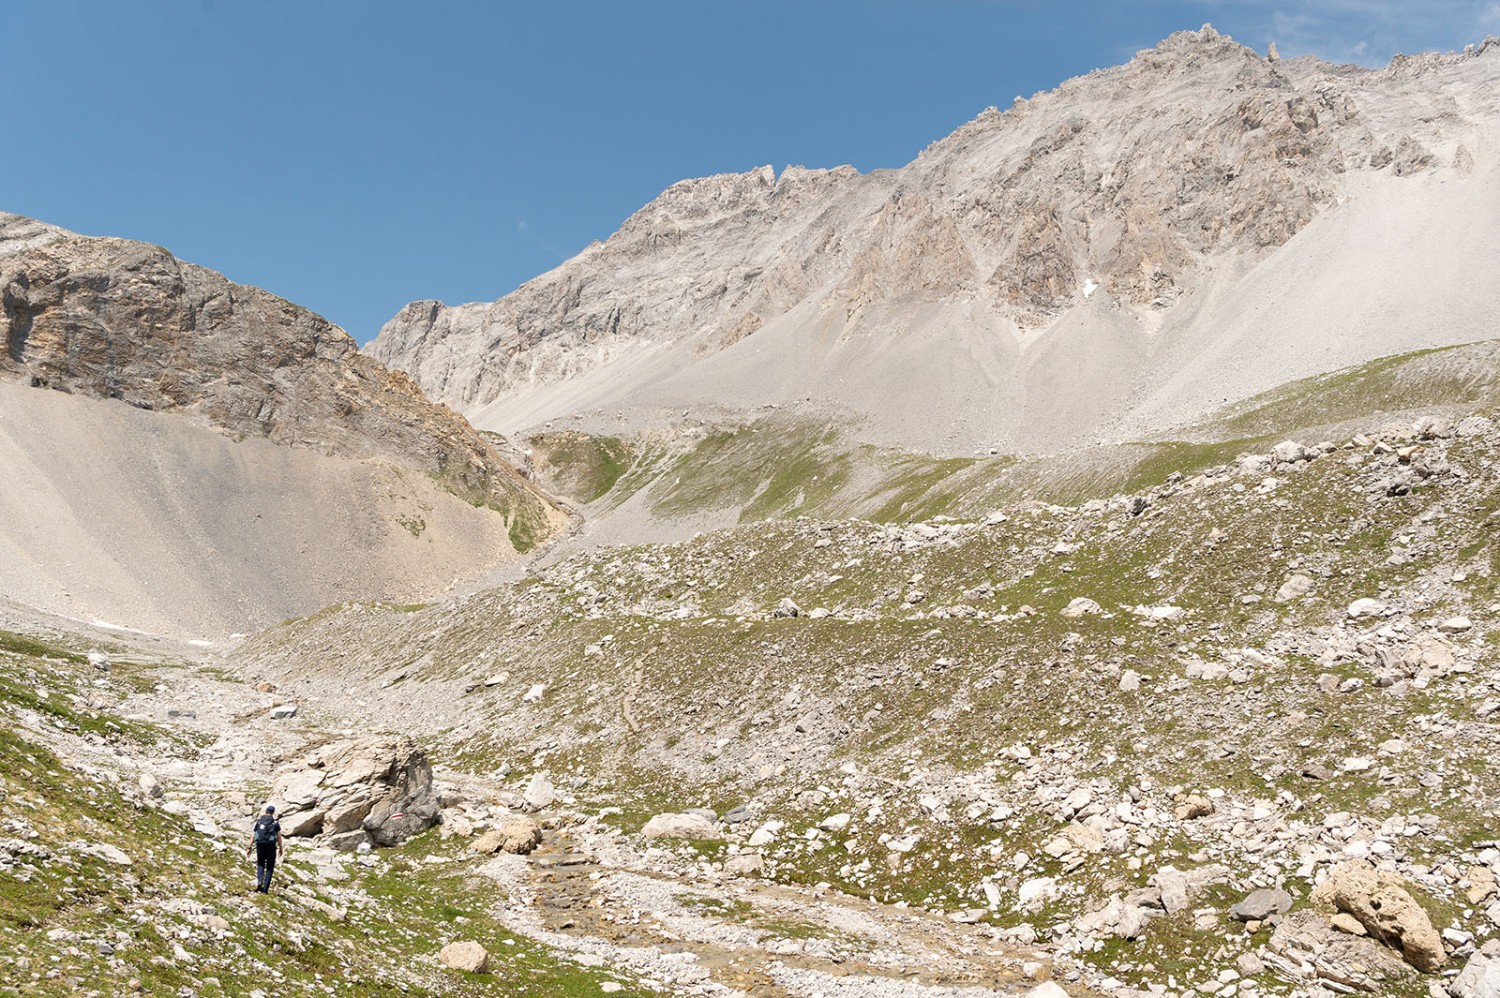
<point x="680" y="826"/>
<point x="380" y="787"/>
<point x="1381" y="903"/>
<point x="466" y="956"/>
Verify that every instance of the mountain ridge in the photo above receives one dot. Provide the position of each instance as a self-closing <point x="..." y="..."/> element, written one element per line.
<point x="1089" y="219"/>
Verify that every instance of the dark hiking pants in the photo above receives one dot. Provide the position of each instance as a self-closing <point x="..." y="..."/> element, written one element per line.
<point x="265" y="865"/>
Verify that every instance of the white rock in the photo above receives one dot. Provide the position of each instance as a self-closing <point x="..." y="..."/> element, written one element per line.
<point x="836" y="822"/>
<point x="1366" y="608"/>
<point x="1455" y="625"/>
<point x="1130" y="681"/>
<point x="679" y="826"/>
<point x="1036" y="891"/>
<point x="535" y="693"/>
<point x="539" y="791"/>
<point x="1080" y="606"/>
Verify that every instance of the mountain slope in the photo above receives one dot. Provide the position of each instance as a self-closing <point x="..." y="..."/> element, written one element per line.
<point x="262" y="466"/>
<point x="1119" y="255"/>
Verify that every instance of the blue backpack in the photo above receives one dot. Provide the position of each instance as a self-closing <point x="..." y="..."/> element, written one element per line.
<point x="265" y="830"/>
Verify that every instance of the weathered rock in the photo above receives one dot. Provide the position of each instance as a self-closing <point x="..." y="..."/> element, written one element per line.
<point x="1262" y="904"/>
<point x="1295" y="587"/>
<point x="1080" y="606"/>
<point x="1480" y="977"/>
<point x="743" y="864"/>
<point x="115" y="319"/>
<point x="1366" y="607"/>
<point x="680" y="826"/>
<point x="301" y="824"/>
<point x="517" y="834"/>
<point x="469" y="957"/>
<point x="1381" y="903"/>
<point x="1315" y="951"/>
<point x="539" y="792"/>
<point x="380" y="787"/>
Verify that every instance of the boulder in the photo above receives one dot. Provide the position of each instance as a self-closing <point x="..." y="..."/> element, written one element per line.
<point x="1261" y="905"/>
<point x="539" y="792"/>
<point x="1295" y="587"/>
<point x="349" y="814"/>
<point x="1481" y="975"/>
<point x="469" y="957"/>
<point x="680" y="826"/>
<point x="1080" y="606"/>
<point x="1047" y="989"/>
<point x="379" y="787"/>
<point x="1306" y="948"/>
<point x="1366" y="607"/>
<point x="1380" y="902"/>
<point x="1290" y="452"/>
<point x="516" y="834"/>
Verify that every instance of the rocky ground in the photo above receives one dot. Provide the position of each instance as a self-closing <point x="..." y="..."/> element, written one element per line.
<point x="1157" y="735"/>
<point x="1229" y="732"/>
<point x="128" y="804"/>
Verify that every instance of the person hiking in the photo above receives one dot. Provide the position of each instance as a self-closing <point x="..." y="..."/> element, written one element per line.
<point x="265" y="842"/>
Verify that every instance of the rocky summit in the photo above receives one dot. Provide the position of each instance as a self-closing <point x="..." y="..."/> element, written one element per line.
<point x="1103" y="261"/>
<point x="820" y="692"/>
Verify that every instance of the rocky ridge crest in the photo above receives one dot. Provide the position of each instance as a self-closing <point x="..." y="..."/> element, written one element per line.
<point x="1136" y="182"/>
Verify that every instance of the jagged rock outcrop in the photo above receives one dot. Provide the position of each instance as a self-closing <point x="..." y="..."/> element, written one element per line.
<point x="116" y="319"/>
<point x="1154" y="189"/>
<point x="376" y="790"/>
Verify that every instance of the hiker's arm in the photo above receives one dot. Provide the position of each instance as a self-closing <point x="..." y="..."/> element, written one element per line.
<point x="280" y="845"/>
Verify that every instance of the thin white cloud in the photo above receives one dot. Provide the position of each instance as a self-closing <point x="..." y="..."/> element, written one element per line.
<point x="1363" y="31"/>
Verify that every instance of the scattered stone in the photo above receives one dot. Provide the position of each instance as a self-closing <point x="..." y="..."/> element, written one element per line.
<point x="1130" y="681"/>
<point x="1455" y="625"/>
<point x="1080" y="606"/>
<point x="284" y="712"/>
<point x="786" y="609"/>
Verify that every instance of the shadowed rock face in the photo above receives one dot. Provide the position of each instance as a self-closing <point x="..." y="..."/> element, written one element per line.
<point x="115" y="319"/>
<point x="1138" y="182"/>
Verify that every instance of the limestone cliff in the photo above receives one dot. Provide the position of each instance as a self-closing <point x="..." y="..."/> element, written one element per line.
<point x="115" y="319"/>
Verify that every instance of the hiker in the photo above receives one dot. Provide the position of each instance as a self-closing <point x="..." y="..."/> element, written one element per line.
<point x="265" y="842"/>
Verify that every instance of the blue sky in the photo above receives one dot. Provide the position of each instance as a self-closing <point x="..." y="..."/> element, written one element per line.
<point x="353" y="156"/>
